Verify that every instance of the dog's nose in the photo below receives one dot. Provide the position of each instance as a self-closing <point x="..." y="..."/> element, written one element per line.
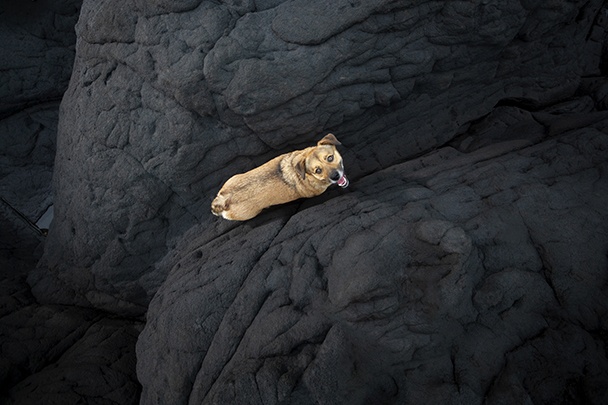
<point x="335" y="176"/>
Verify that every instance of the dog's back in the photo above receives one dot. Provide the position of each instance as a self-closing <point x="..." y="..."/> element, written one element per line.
<point x="249" y="193"/>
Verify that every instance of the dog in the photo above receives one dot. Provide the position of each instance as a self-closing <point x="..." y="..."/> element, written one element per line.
<point x="299" y="174"/>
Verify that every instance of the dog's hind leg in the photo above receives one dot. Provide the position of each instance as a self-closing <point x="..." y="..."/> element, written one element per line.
<point x="219" y="205"/>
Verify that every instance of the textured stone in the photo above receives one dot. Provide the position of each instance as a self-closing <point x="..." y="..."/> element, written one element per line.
<point x="48" y="354"/>
<point x="394" y="296"/>
<point x="37" y="52"/>
<point x="168" y="100"/>
<point x="33" y="336"/>
<point x="464" y="264"/>
<point x="90" y="362"/>
<point x="27" y="140"/>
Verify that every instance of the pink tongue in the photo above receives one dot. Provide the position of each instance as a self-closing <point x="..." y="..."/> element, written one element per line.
<point x="343" y="182"/>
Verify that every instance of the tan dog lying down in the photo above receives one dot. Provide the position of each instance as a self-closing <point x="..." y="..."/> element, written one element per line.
<point x="299" y="174"/>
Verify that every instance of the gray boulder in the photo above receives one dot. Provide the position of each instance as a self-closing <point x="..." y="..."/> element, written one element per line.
<point x="466" y="263"/>
<point x="49" y="354"/>
<point x="37" y="52"/>
<point x="64" y="355"/>
<point x="169" y="99"/>
<point x="458" y="277"/>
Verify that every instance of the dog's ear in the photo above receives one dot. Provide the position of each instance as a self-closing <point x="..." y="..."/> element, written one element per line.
<point x="300" y="165"/>
<point x="329" y="139"/>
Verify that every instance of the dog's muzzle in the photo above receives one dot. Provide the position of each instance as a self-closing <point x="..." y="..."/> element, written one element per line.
<point x="340" y="179"/>
<point x="343" y="182"/>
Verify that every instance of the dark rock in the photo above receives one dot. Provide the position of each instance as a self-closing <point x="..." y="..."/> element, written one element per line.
<point x="48" y="354"/>
<point x="34" y="336"/>
<point x="37" y="56"/>
<point x="465" y="263"/>
<point x="27" y="141"/>
<point x="433" y="282"/>
<point x="167" y="101"/>
<point x="76" y="356"/>
<point x="37" y="51"/>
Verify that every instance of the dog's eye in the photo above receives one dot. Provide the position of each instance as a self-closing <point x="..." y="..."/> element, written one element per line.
<point x="318" y="170"/>
<point x="330" y="158"/>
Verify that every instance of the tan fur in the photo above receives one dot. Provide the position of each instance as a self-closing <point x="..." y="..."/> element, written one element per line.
<point x="283" y="179"/>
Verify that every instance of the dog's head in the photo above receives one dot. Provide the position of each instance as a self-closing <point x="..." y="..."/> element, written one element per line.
<point x="324" y="163"/>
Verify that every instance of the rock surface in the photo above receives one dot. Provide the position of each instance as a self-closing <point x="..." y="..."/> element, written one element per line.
<point x="67" y="355"/>
<point x="466" y="263"/>
<point x="168" y="99"/>
<point x="37" y="52"/>
<point x="452" y="278"/>
<point x="49" y="354"/>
